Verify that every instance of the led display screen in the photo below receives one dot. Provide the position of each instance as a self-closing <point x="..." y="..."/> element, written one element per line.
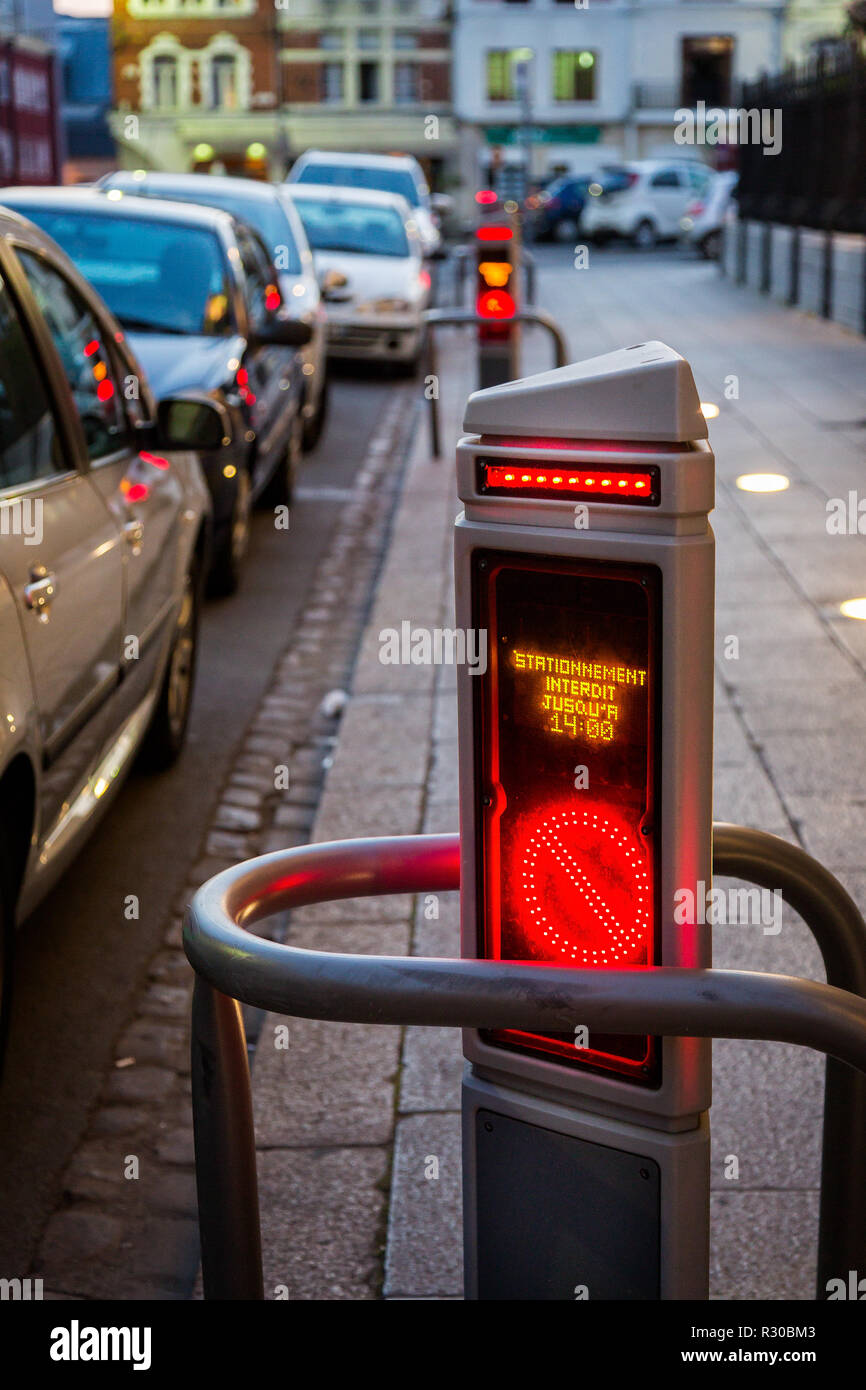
<point x="568" y="713"/>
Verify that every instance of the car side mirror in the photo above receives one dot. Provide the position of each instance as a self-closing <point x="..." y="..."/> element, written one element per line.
<point x="282" y="333"/>
<point x="331" y="283"/>
<point x="193" y="422"/>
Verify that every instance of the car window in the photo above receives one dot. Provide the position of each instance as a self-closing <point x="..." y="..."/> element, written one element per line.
<point x="29" y="443"/>
<point x="85" y="359"/>
<point x="260" y="292"/>
<point x="699" y="179"/>
<point x="156" y="277"/>
<point x="665" y="178"/>
<point x="353" y="227"/>
<point x="354" y="176"/>
<point x="265" y="214"/>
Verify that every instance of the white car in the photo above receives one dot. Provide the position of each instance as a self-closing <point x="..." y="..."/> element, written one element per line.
<point x="370" y="264"/>
<point x="387" y="173"/>
<point x="650" y="208"/>
<point x="704" y="220"/>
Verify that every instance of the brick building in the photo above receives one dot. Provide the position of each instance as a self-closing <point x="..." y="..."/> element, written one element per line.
<point x="250" y="84"/>
<point x="370" y="74"/>
<point x="195" y="84"/>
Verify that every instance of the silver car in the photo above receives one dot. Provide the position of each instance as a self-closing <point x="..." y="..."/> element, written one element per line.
<point x="104" y="527"/>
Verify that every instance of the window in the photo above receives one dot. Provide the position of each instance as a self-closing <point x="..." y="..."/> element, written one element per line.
<point x="79" y="339"/>
<point x="223" y="82"/>
<point x="369" y="38"/>
<point x="356" y="228"/>
<point x="368" y="81"/>
<point x="29" y="447"/>
<point x="156" y="277"/>
<point x="500" y="75"/>
<point x="405" y="39"/>
<point x="332" y="82"/>
<point x="665" y="178"/>
<point x="574" y="75"/>
<point x="405" y="83"/>
<point x="707" y="63"/>
<point x="259" y="279"/>
<point x="165" y="82"/>
<point x="386" y="179"/>
<point x="332" y="39"/>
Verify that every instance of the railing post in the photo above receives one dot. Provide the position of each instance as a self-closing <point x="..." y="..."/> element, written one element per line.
<point x="225" y="1150"/>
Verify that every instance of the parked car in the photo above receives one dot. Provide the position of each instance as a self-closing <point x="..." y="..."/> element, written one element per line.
<point x="370" y="264"/>
<point x="703" y="223"/>
<point x="648" y="209"/>
<point x="556" y="210"/>
<point x="400" y="174"/>
<point x="103" y="546"/>
<point x="269" y="209"/>
<point x="197" y="293"/>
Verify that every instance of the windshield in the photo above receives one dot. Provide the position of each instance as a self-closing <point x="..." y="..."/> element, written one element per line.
<point x="265" y="215"/>
<point x="353" y="176"/>
<point x="157" y="277"/>
<point x="354" y="227"/>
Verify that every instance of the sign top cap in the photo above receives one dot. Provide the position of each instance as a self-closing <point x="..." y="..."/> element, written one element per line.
<point x="643" y="392"/>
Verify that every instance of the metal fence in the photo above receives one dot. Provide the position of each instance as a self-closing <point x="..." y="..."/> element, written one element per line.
<point x="818" y="178"/>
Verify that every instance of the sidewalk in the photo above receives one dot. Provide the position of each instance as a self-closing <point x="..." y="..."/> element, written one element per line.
<point x="350" y="1118"/>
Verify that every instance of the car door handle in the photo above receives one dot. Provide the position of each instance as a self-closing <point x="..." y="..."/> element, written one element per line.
<point x="40" y="593"/>
<point x="133" y="534"/>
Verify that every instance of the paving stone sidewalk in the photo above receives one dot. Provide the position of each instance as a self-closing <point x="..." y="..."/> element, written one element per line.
<point x="358" y="1127"/>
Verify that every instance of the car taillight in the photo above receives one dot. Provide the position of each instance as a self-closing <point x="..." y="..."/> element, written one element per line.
<point x="695" y="209"/>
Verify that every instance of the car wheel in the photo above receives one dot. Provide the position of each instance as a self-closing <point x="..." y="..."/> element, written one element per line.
<point x="280" y="487"/>
<point x="566" y="229"/>
<point x="711" y="246"/>
<point x="228" y="558"/>
<point x="644" y="235"/>
<point x="165" y="737"/>
<point x="316" y="423"/>
<point x="7" y="947"/>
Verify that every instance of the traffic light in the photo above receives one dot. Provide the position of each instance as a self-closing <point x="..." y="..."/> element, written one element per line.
<point x="585" y="555"/>
<point x="497" y="269"/>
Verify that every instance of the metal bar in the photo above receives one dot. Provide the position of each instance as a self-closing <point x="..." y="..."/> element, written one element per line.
<point x="464" y="993"/>
<point x="225" y="1148"/>
<point x="432" y="384"/>
<point x="534" y="316"/>
<point x="838" y="927"/>
<point x="530" y="266"/>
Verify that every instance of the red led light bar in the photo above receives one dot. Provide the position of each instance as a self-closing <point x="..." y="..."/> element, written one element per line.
<point x="494" y="234"/>
<point x="622" y="485"/>
<point x="486" y="196"/>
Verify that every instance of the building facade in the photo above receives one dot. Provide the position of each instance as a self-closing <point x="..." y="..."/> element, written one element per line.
<point x="372" y="75"/>
<point x="547" y="86"/>
<point x="195" y="84"/>
<point x="247" y="85"/>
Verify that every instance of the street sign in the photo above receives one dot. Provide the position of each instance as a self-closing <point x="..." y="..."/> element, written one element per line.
<point x="584" y="553"/>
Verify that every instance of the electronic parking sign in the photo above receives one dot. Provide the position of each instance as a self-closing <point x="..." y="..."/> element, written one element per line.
<point x="585" y="553"/>
<point x="569" y="717"/>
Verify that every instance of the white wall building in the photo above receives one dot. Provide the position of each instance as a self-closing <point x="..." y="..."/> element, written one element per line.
<point x="576" y="82"/>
